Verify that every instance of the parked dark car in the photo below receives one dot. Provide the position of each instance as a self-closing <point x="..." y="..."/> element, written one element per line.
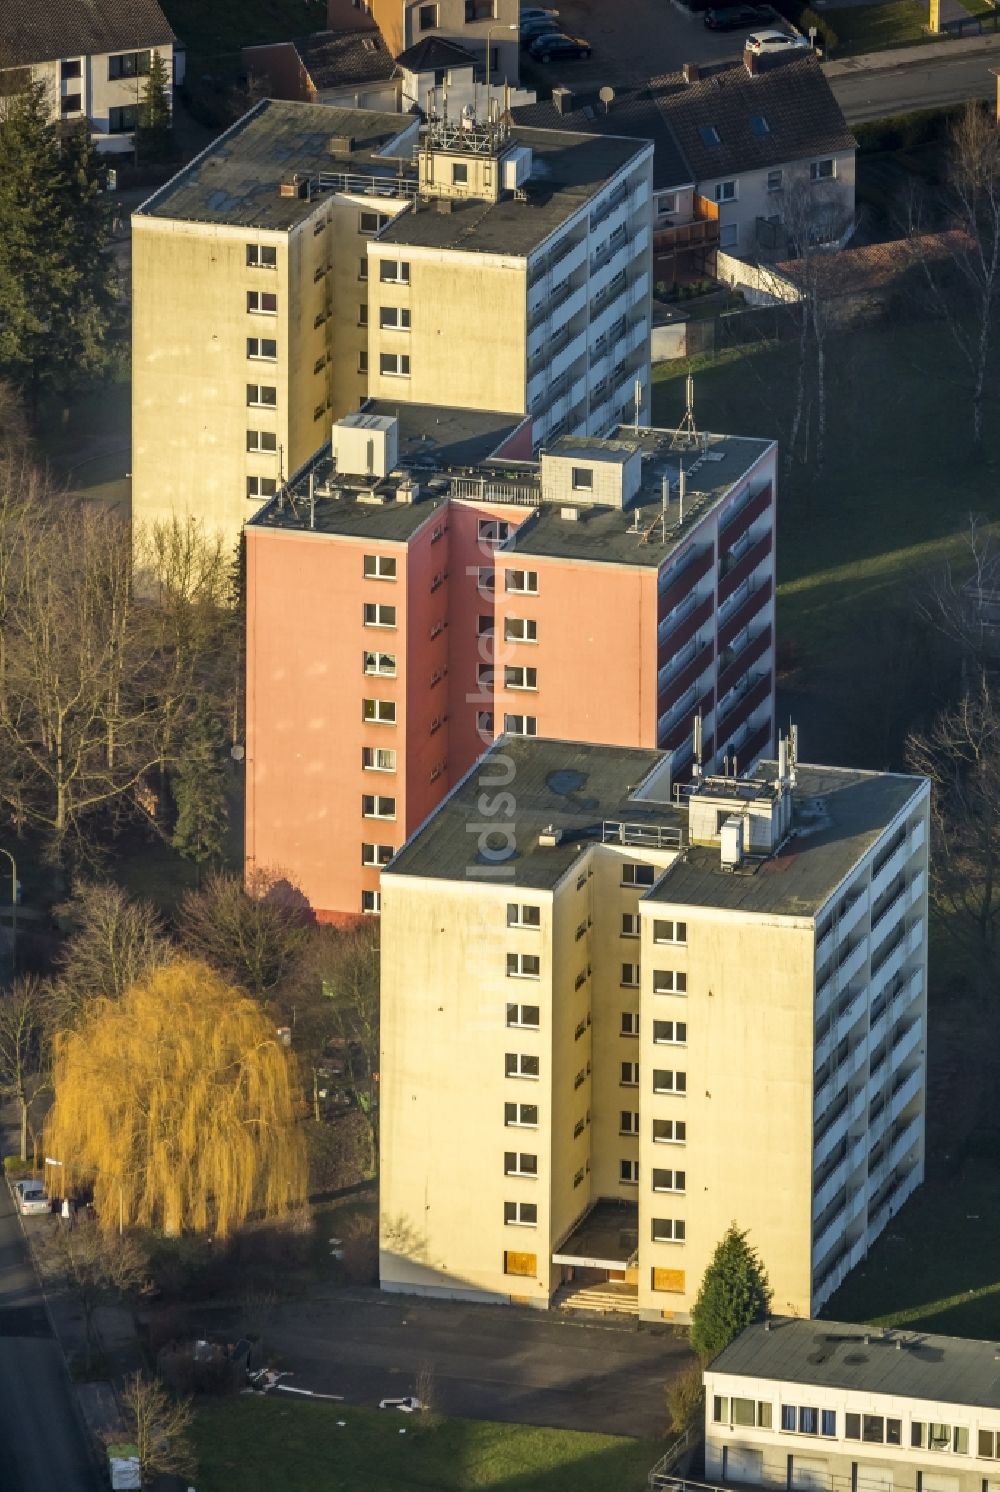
<point x="538" y="26"/>
<point x="736" y="17"/>
<point x="558" y="47"/>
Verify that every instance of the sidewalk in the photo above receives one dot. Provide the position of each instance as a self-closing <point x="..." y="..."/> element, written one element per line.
<point x="895" y="58"/>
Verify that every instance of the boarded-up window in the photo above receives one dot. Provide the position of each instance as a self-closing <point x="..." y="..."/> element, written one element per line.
<point x="668" y="1279"/>
<point x="524" y="1264"/>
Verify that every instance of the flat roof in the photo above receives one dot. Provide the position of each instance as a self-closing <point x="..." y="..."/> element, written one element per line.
<point x="837" y="815"/>
<point x="567" y="170"/>
<point x="607" y="1235"/>
<point x="570" y="785"/>
<point x="236" y="180"/>
<point x="836" y="1354"/>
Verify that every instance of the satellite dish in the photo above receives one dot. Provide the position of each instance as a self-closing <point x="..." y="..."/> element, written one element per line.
<point x="607" y="97"/>
<point x="237" y="753"/>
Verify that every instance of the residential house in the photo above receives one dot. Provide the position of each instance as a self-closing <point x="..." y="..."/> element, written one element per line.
<point x="353" y="69"/>
<point x="486" y="28"/>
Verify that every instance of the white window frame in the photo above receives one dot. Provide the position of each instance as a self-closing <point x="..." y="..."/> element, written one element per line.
<point x="516" y="911"/>
<point x="674" y="1138"/>
<point x="520" y="1214"/>
<point x="677" y="934"/>
<point x="376" y="855"/>
<point x="518" y="1017"/>
<point x="255" y="399"/>
<point x="378" y="759"/>
<point x="676" y="1180"/>
<point x="817" y="173"/>
<point x="629" y="1023"/>
<point x="668" y="1230"/>
<point x="379" y="567"/>
<point x="518" y="1122"/>
<point x="518" y="1168"/>
<point x="371" y="903"/>
<point x="378" y="665"/>
<point x="400" y="268"/>
<point x="628" y="1122"/>
<point x="635" y="874"/>
<point x="520" y="629"/>
<point x="255" y="349"/>
<point x="631" y="974"/>
<point x="256" y="253"/>
<point x="524" y="966"/>
<point x="513" y="1063"/>
<point x="518" y="676"/>
<point x="254" y="439"/>
<point x="394" y="318"/>
<point x="261" y="487"/>
<point x="628" y="1075"/>
<point x="520" y="582"/>
<point x="394" y="364"/>
<point x="520" y="725"/>
<point x="378" y="712"/>
<point x="372" y="614"/>
<point x="677" y="1036"/>
<point x="775" y="180"/>
<point x="677" y="1084"/>
<point x="381" y="219"/>
<point x="631" y="925"/>
<point x="669" y="982"/>
<point x="375" y="806"/>
<point x="729" y="235"/>
<point x="727" y="191"/>
<point x="628" y="1173"/>
<point x="256" y="306"/>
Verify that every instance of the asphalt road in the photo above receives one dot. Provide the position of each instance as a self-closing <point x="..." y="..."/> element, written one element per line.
<point x="41" y="1440"/>
<point x="488" y="1362"/>
<point x="872" y="87"/>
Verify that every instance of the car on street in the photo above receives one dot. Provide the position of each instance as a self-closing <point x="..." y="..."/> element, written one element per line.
<point x="537" y="13"/>
<point x="774" y="41"/>
<point x="32" y="1199"/>
<point x="736" y="17"/>
<point x="538" y="26"/>
<point x="558" y="47"/>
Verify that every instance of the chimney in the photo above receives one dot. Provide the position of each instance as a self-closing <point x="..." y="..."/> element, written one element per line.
<point x="563" y="100"/>
<point x="752" y="63"/>
<point x="691" y="72"/>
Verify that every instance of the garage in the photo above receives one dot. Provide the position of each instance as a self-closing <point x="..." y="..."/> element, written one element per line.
<point x="809" y="1474"/>
<point x="741" y="1464"/>
<point x="873" y="1479"/>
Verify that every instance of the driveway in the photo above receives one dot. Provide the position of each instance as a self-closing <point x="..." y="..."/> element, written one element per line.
<point x="489" y="1362"/>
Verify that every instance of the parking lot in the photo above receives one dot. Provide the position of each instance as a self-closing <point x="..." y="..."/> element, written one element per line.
<point x="632" y="40"/>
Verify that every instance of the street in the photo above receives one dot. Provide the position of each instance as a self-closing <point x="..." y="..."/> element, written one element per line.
<point x="41" y="1439"/>
<point x="880" y="84"/>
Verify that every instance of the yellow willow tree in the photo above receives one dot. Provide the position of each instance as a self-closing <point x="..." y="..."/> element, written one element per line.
<point x="179" y="1103"/>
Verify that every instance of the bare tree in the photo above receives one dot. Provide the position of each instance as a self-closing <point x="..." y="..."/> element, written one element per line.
<point x="961" y="600"/>
<point x="964" y="287"/>
<point x="23" y="1011"/>
<point x="251" y="934"/>
<point x="961" y="756"/>
<point x="116" y="942"/>
<point x="160" y="1427"/>
<point x="94" y="1265"/>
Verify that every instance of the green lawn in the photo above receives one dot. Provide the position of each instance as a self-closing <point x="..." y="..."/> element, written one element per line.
<point x="243" y="1442"/>
<point x="869" y="28"/>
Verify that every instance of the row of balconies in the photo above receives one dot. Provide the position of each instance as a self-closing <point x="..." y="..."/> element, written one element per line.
<point x="735" y="667"/>
<point x="756" y="599"/>
<point x="738" y="519"/>
<point x="679" y="581"/>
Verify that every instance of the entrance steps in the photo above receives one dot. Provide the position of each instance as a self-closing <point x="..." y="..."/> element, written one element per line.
<point x="603" y="1299"/>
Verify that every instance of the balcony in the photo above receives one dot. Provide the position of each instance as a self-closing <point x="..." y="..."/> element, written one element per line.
<point x="734" y="670"/>
<point x="566" y="350"/>
<point x="744" y="567"/>
<point x="852" y="912"/>
<point x="905" y="1140"/>
<point x="905" y="1091"/>
<point x="679" y="581"/>
<point x="680" y="682"/>
<point x="683" y="628"/>
<point x="889" y="869"/>
<point x="610" y="265"/>
<point x="745" y="612"/>
<point x="756" y="694"/>
<point x="905" y="1041"/>
<point x="888" y="918"/>
<point x="678" y="732"/>
<point x="852" y="964"/>
<point x="736" y="523"/>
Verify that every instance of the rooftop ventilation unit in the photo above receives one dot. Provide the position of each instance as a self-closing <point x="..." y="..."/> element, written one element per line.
<point x="295" y="185"/>
<point x="550" y="837"/>
<point x="365" y="444"/>
<point x="340" y="145"/>
<point x="570" y="515"/>
<point x="731" y="842"/>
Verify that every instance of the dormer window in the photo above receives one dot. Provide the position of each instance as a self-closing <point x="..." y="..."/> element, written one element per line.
<point x="709" y="134"/>
<point x="760" y="126"/>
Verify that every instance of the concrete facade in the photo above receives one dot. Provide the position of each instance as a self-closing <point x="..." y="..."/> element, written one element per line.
<point x="93" y="88"/>
<point x="788" y="196"/>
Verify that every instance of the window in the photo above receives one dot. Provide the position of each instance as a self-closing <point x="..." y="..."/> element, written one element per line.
<point x="261" y="395"/>
<point x="374" y="806"/>
<point x="526" y="1016"/>
<point x="379" y="616"/>
<point x="523" y="966"/>
<point x="667" y="1081"/>
<point x="630" y="1023"/>
<point x="669" y="1132"/>
<point x="394" y="272"/>
<point x="263" y="301"/>
<point x="380" y="711"/>
<point x="582" y="478"/>
<point x="670" y="932"/>
<point x="520" y="678"/>
<point x="628" y="1172"/>
<point x="520" y="725"/>
<point x="518" y="1214"/>
<point x="808" y="1421"/>
<point x="379" y="567"/>
<point x="518" y="1064"/>
<point x="459" y="173"/>
<point x="371" y="902"/>
<point x="636" y="875"/>
<point x="670" y="1033"/>
<point x="122" y="121"/>
<point x="759" y="126"/>
<point x="934" y="1437"/>
<point x="523" y="1265"/>
<point x="378" y="759"/>
<point x="362" y="362"/>
<point x="628" y="1122"/>
<point x="427" y="17"/>
<point x="394" y="318"/>
<point x="380" y="663"/>
<point x="774" y="180"/>
<point x="828" y="1422"/>
<point x="630" y="925"/>
<point x="486" y="580"/>
<point x="261" y="486"/>
<point x="720" y="1410"/>
<point x="376" y="854"/>
<point x="262" y="256"/>
<point x="479" y="10"/>
<point x="521" y="582"/>
<point x="519" y="629"/>
<point x="484" y="722"/>
<point x="822" y="170"/>
<point x="128" y="65"/>
<point x="362" y="269"/>
<point x="394" y="364"/>
<point x="493" y="530"/>
<point x="70" y="69"/>
<point x="485" y="625"/>
<point x="630" y="975"/>
<point x="71" y="103"/>
<point x="485" y="673"/>
<point x="669" y="1181"/>
<point x="372" y="222"/>
<point x="629" y="1075"/>
<point x="519" y="1163"/>
<point x="669" y="982"/>
<point x="725" y="191"/>
<point x="264" y="348"/>
<point x="666" y="203"/>
<point x="747" y="1412"/>
<point x="668" y="1230"/>
<point x="789" y="1417"/>
<point x="709" y="134"/>
<point x="519" y="915"/>
<point x="729" y="236"/>
<point x="262" y="440"/>
<point x="363" y="314"/>
<point x="520" y="1115"/>
<point x="989" y="1445"/>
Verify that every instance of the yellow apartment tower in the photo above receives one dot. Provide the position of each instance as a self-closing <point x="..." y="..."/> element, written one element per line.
<point x="618" y="1013"/>
<point x="313" y="256"/>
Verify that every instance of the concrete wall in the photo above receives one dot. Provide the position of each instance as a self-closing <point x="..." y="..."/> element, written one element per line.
<point x="754" y="200"/>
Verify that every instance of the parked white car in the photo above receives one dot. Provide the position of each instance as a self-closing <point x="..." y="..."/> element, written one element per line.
<point x="32" y="1199"/>
<point x="774" y="41"/>
<point x="408" y="1405"/>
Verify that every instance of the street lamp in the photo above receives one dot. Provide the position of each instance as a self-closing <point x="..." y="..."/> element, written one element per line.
<point x="13" y="903"/>
<point x="489" y="32"/>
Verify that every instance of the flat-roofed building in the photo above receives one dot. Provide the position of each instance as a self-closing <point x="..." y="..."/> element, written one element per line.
<point x="826" y="1406"/>
<point x="618" y="1013"/>
<point x="423" y="586"/>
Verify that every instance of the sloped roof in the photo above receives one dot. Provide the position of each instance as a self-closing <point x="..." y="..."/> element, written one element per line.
<point x="335" y="59"/>
<point x="876" y="266"/>
<point x="803" y="119"/>
<point x="41" y="30"/>
<point x="632" y="114"/>
<point x="432" y="52"/>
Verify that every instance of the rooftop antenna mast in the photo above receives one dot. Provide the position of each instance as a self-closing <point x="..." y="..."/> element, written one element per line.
<point x="686" y="433"/>
<point x="638" y="401"/>
<point x="681" y="492"/>
<point x="698" y="748"/>
<point x="793" y="753"/>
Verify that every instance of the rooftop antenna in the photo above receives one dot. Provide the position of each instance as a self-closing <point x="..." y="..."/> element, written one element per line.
<point x="681" y="490"/>
<point x="686" y="433"/>
<point x="312" y="499"/>
<point x="638" y="401"/>
<point x="793" y="753"/>
<point x="698" y="744"/>
<point x="664" y="503"/>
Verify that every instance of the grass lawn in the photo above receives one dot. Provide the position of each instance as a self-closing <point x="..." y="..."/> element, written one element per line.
<point x="218" y="28"/>
<point x="241" y="1443"/>
<point x="87" y="441"/>
<point x="869" y="28"/>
